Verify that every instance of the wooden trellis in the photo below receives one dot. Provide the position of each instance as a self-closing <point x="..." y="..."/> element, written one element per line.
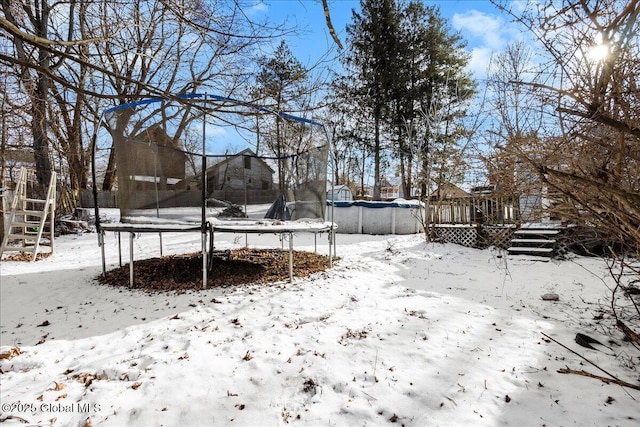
<point x="475" y="237"/>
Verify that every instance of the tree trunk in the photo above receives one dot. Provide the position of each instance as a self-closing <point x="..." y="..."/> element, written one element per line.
<point x="110" y="174"/>
<point x="39" y="110"/>
<point x="39" y="130"/>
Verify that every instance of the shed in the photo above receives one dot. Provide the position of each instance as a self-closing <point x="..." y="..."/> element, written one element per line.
<point x="339" y="193"/>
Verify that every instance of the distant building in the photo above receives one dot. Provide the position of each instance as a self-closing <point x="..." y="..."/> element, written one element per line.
<point x="339" y="193"/>
<point x="448" y="191"/>
<point x="391" y="189"/>
<point x="240" y="171"/>
<point x="152" y="160"/>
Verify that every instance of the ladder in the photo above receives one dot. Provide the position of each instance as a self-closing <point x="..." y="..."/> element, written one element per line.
<point x="29" y="217"/>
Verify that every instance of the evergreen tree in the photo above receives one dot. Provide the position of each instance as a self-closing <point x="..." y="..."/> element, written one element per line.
<point x="432" y="95"/>
<point x="282" y="84"/>
<point x="371" y="60"/>
<point x="407" y="75"/>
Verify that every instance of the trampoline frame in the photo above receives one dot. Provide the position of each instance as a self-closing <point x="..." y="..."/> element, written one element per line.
<point x="207" y="228"/>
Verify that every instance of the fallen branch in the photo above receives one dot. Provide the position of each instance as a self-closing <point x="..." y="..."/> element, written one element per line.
<point x="580" y="356"/>
<point x="603" y="379"/>
<point x="628" y="332"/>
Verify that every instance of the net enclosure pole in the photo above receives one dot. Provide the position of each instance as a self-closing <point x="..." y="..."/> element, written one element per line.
<point x="94" y="190"/>
<point x="203" y="219"/>
<point x="101" y="244"/>
<point x="290" y="257"/>
<point x="131" y="260"/>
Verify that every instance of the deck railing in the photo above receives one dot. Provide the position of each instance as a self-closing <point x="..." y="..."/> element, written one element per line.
<point x="489" y="209"/>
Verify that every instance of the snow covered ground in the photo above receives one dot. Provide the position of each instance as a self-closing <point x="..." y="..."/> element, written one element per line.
<point x="399" y="332"/>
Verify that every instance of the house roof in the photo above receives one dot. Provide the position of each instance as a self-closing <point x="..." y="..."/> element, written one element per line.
<point x="245" y="152"/>
<point x="337" y="188"/>
<point x="448" y="190"/>
<point x="394" y="181"/>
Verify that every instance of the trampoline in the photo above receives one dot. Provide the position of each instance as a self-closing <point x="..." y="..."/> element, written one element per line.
<point x="168" y="182"/>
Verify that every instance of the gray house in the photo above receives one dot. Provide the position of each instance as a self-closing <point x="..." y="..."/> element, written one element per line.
<point x="240" y="171"/>
<point x="242" y="178"/>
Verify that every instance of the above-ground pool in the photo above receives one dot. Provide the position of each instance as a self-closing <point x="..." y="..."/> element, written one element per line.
<point x="364" y="217"/>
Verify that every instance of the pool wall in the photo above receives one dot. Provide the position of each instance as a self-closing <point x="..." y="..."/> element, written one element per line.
<point x="364" y="217"/>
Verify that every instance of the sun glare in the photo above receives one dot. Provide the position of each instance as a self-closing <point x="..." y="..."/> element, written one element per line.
<point x="598" y="52"/>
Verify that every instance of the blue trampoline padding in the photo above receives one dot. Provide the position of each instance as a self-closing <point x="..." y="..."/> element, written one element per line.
<point x="209" y="97"/>
<point x="374" y="205"/>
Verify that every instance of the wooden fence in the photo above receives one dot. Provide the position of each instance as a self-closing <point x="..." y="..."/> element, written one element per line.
<point x="106" y="199"/>
<point x="474" y="210"/>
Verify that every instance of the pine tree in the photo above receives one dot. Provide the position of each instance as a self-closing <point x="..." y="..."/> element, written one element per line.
<point x="371" y="61"/>
<point x="282" y="81"/>
<point x="407" y="74"/>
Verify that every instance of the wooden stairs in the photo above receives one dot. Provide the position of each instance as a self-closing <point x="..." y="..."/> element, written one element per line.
<point x="537" y="241"/>
<point x="31" y="221"/>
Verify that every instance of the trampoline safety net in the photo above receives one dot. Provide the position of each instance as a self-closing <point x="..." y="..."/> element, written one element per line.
<point x="165" y="173"/>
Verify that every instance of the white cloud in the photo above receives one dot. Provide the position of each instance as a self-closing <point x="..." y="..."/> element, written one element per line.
<point x="479" y="25"/>
<point x="479" y="63"/>
<point x="259" y="7"/>
<point x="486" y="35"/>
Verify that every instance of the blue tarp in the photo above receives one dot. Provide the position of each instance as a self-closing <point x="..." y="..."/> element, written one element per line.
<point x="374" y="205"/>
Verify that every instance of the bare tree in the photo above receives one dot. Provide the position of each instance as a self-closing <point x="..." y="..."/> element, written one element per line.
<point x="35" y="66"/>
<point x="587" y="151"/>
<point x="74" y="53"/>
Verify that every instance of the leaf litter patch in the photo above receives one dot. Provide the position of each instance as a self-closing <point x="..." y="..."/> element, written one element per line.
<point x="180" y="273"/>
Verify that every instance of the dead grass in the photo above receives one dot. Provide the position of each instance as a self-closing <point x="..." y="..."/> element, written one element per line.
<point x="179" y="273"/>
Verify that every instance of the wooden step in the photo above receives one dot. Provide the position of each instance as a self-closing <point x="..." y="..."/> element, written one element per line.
<point x="29" y="241"/>
<point x="30" y="224"/>
<point x="537" y="232"/>
<point x="22" y="236"/>
<point x="30" y="212"/>
<point x="27" y="235"/>
<point x="30" y="249"/>
<point x="534" y="241"/>
<point x="530" y="250"/>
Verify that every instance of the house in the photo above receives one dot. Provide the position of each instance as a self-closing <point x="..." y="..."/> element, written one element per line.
<point x="448" y="191"/>
<point x="241" y="171"/>
<point x="391" y="189"/>
<point x="339" y="192"/>
<point x="152" y="160"/>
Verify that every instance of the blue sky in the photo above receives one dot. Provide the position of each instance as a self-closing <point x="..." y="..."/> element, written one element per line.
<point x="484" y="27"/>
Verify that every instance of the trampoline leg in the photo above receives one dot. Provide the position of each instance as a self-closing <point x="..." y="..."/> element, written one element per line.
<point x="160" y="234"/>
<point x="119" y="250"/>
<point x="290" y="257"/>
<point x="204" y="260"/>
<point x="330" y="241"/>
<point x="211" y="248"/>
<point x="315" y="243"/>
<point x="101" y="243"/>
<point x="130" y="260"/>
<point x="333" y="233"/>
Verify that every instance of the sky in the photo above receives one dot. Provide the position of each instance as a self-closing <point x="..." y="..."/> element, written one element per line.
<point x="481" y="24"/>
<point x="485" y="29"/>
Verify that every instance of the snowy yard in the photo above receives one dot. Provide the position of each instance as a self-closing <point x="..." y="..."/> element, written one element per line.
<point x="399" y="332"/>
